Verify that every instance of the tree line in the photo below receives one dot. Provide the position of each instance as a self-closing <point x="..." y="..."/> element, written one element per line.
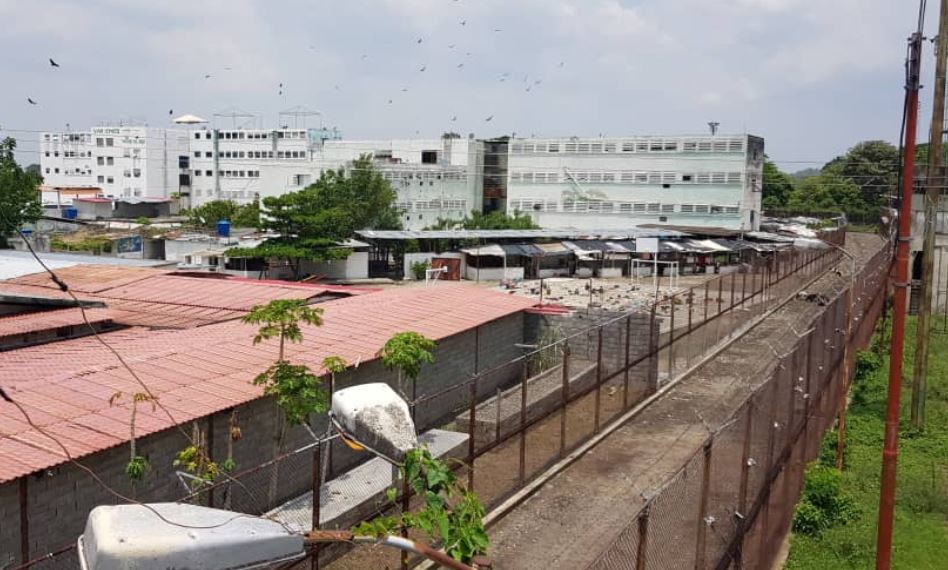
<point x="858" y="183"/>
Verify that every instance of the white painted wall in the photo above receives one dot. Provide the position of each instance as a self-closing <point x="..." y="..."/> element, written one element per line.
<point x="356" y="266"/>
<point x="493" y="273"/>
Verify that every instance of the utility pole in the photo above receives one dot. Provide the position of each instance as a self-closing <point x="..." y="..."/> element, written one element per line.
<point x="890" y="451"/>
<point x="934" y="182"/>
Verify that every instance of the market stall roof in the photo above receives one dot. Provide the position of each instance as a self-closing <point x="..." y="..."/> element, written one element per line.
<point x="694" y="230"/>
<point x="492" y="250"/>
<point x="568" y="234"/>
<point x="551" y="249"/>
<point x="522" y="250"/>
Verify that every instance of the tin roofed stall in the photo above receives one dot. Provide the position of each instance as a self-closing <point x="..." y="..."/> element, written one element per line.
<point x="489" y="263"/>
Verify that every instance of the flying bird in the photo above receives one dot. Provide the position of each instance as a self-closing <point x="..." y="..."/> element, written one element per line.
<point x="454" y="118"/>
<point x="423" y="67"/>
<point x="451" y="46"/>
<point x="404" y="90"/>
<point x="31" y="102"/>
<point x="488" y="119"/>
<point x="460" y="65"/>
<point x="170" y="112"/>
<point x="560" y="64"/>
<point x="497" y="30"/>
<point x="502" y="79"/>
<point x="280" y="92"/>
<point x="53" y="63"/>
<point x="389" y="101"/>
<point x="364" y="56"/>
<point x="419" y="40"/>
<point x="336" y="87"/>
<point x="207" y="76"/>
<point x="528" y="89"/>
<point x="538" y="81"/>
<point x="228" y="68"/>
<point x="463" y="22"/>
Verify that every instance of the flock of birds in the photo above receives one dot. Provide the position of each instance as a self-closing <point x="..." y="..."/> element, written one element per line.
<point x="530" y="84"/>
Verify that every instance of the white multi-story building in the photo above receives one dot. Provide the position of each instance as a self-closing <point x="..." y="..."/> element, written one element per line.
<point x="709" y="181"/>
<point x="433" y="178"/>
<point x="122" y="161"/>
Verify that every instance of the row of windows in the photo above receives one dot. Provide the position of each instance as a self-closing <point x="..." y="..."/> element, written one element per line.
<point x="607" y="207"/>
<point x="253" y="154"/>
<point x="105" y="179"/>
<point x="226" y="194"/>
<point x="128" y="192"/>
<point x="72" y="154"/>
<point x="72" y="171"/>
<point x="432" y="205"/>
<point x="70" y="137"/>
<point x="254" y="135"/>
<point x="634" y="146"/>
<point x="627" y="177"/>
<point x="422" y="175"/>
<point x="230" y="173"/>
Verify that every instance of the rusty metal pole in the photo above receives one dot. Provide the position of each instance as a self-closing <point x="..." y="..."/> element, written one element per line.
<point x="891" y="440"/>
<point x="317" y="483"/>
<point x="701" y="542"/>
<point x="707" y="286"/>
<point x="472" y="414"/>
<point x="523" y="423"/>
<point x="598" y="396"/>
<point x="640" y="555"/>
<point x="745" y="478"/>
<point x="652" y="352"/>
<point x="626" y="365"/>
<point x="720" y="294"/>
<point x="933" y="186"/>
<point x="671" y="341"/>
<point x="565" y="398"/>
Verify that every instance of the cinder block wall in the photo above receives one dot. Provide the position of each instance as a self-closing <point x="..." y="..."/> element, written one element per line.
<point x="59" y="500"/>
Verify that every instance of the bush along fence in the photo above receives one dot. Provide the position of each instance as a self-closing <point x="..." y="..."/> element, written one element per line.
<point x="582" y="374"/>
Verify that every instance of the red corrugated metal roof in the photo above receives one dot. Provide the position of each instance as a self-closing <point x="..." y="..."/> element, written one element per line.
<point x="196" y="372"/>
<point x="45" y="320"/>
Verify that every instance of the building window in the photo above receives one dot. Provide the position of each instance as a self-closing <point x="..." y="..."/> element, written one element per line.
<point x="668" y="208"/>
<point x="687" y="208"/>
<point x="554" y="147"/>
<point x="55" y="171"/>
<point x="100" y="161"/>
<point x="47" y="171"/>
<point x="109" y="141"/>
<point x="110" y="180"/>
<point x="99" y="142"/>
<point x="197" y="135"/>
<point x="137" y="172"/>
<point x="110" y="161"/>
<point x="687" y="177"/>
<point x="209" y="173"/>
<point x="101" y="179"/>
<point x="197" y="154"/>
<point x="197" y="172"/>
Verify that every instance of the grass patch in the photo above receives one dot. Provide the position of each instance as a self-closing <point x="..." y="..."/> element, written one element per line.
<point x="921" y="517"/>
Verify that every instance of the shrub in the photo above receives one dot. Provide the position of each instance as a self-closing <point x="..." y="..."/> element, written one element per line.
<point x="867" y="362"/>
<point x="823" y="504"/>
<point x="419" y="268"/>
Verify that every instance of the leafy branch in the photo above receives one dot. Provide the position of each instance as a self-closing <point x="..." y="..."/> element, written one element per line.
<point x="407" y="352"/>
<point x="452" y="514"/>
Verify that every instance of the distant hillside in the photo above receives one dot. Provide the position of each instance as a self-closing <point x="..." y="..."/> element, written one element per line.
<point x="805" y="173"/>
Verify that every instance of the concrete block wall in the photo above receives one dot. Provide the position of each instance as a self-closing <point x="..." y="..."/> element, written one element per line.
<point x="9" y="524"/>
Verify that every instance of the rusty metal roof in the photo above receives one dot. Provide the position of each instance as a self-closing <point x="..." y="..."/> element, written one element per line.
<point x="66" y="386"/>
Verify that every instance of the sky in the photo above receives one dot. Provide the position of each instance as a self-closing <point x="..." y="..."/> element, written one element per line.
<point x="813" y="77"/>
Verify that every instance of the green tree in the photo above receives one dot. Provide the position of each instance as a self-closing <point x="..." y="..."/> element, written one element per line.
<point x="495" y="220"/>
<point x="826" y="193"/>
<point x="407" y="352"/>
<point x="19" y="195"/>
<point x="312" y="221"/>
<point x="777" y="186"/>
<point x="872" y="166"/>
<point x="240" y="215"/>
<point x="297" y="391"/>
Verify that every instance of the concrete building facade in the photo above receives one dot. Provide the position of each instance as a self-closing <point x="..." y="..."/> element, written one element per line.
<point x="121" y="161"/>
<point x="712" y="181"/>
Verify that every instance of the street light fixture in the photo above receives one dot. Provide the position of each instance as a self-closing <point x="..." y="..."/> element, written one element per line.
<point x="159" y="536"/>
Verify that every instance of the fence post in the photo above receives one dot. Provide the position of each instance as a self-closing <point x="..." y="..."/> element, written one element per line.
<point x="472" y="413"/>
<point x="628" y="349"/>
<point x="523" y="422"/>
<point x="745" y="481"/>
<point x="598" y="396"/>
<point x="671" y="340"/>
<point x="701" y="545"/>
<point x="720" y="294"/>
<point x="652" y="352"/>
<point x="707" y="286"/>
<point x="733" y="288"/>
<point x="640" y="556"/>
<point x="743" y="286"/>
<point x="565" y="398"/>
<point x="317" y="483"/>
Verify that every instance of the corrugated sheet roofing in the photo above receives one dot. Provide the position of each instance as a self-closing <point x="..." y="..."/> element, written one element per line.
<point x="66" y="386"/>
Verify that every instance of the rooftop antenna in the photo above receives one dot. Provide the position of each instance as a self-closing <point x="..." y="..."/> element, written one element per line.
<point x="299" y="117"/>
<point x="713" y="125"/>
<point x="239" y="119"/>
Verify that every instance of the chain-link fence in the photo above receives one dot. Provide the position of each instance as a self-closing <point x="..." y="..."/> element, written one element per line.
<point x="579" y="377"/>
